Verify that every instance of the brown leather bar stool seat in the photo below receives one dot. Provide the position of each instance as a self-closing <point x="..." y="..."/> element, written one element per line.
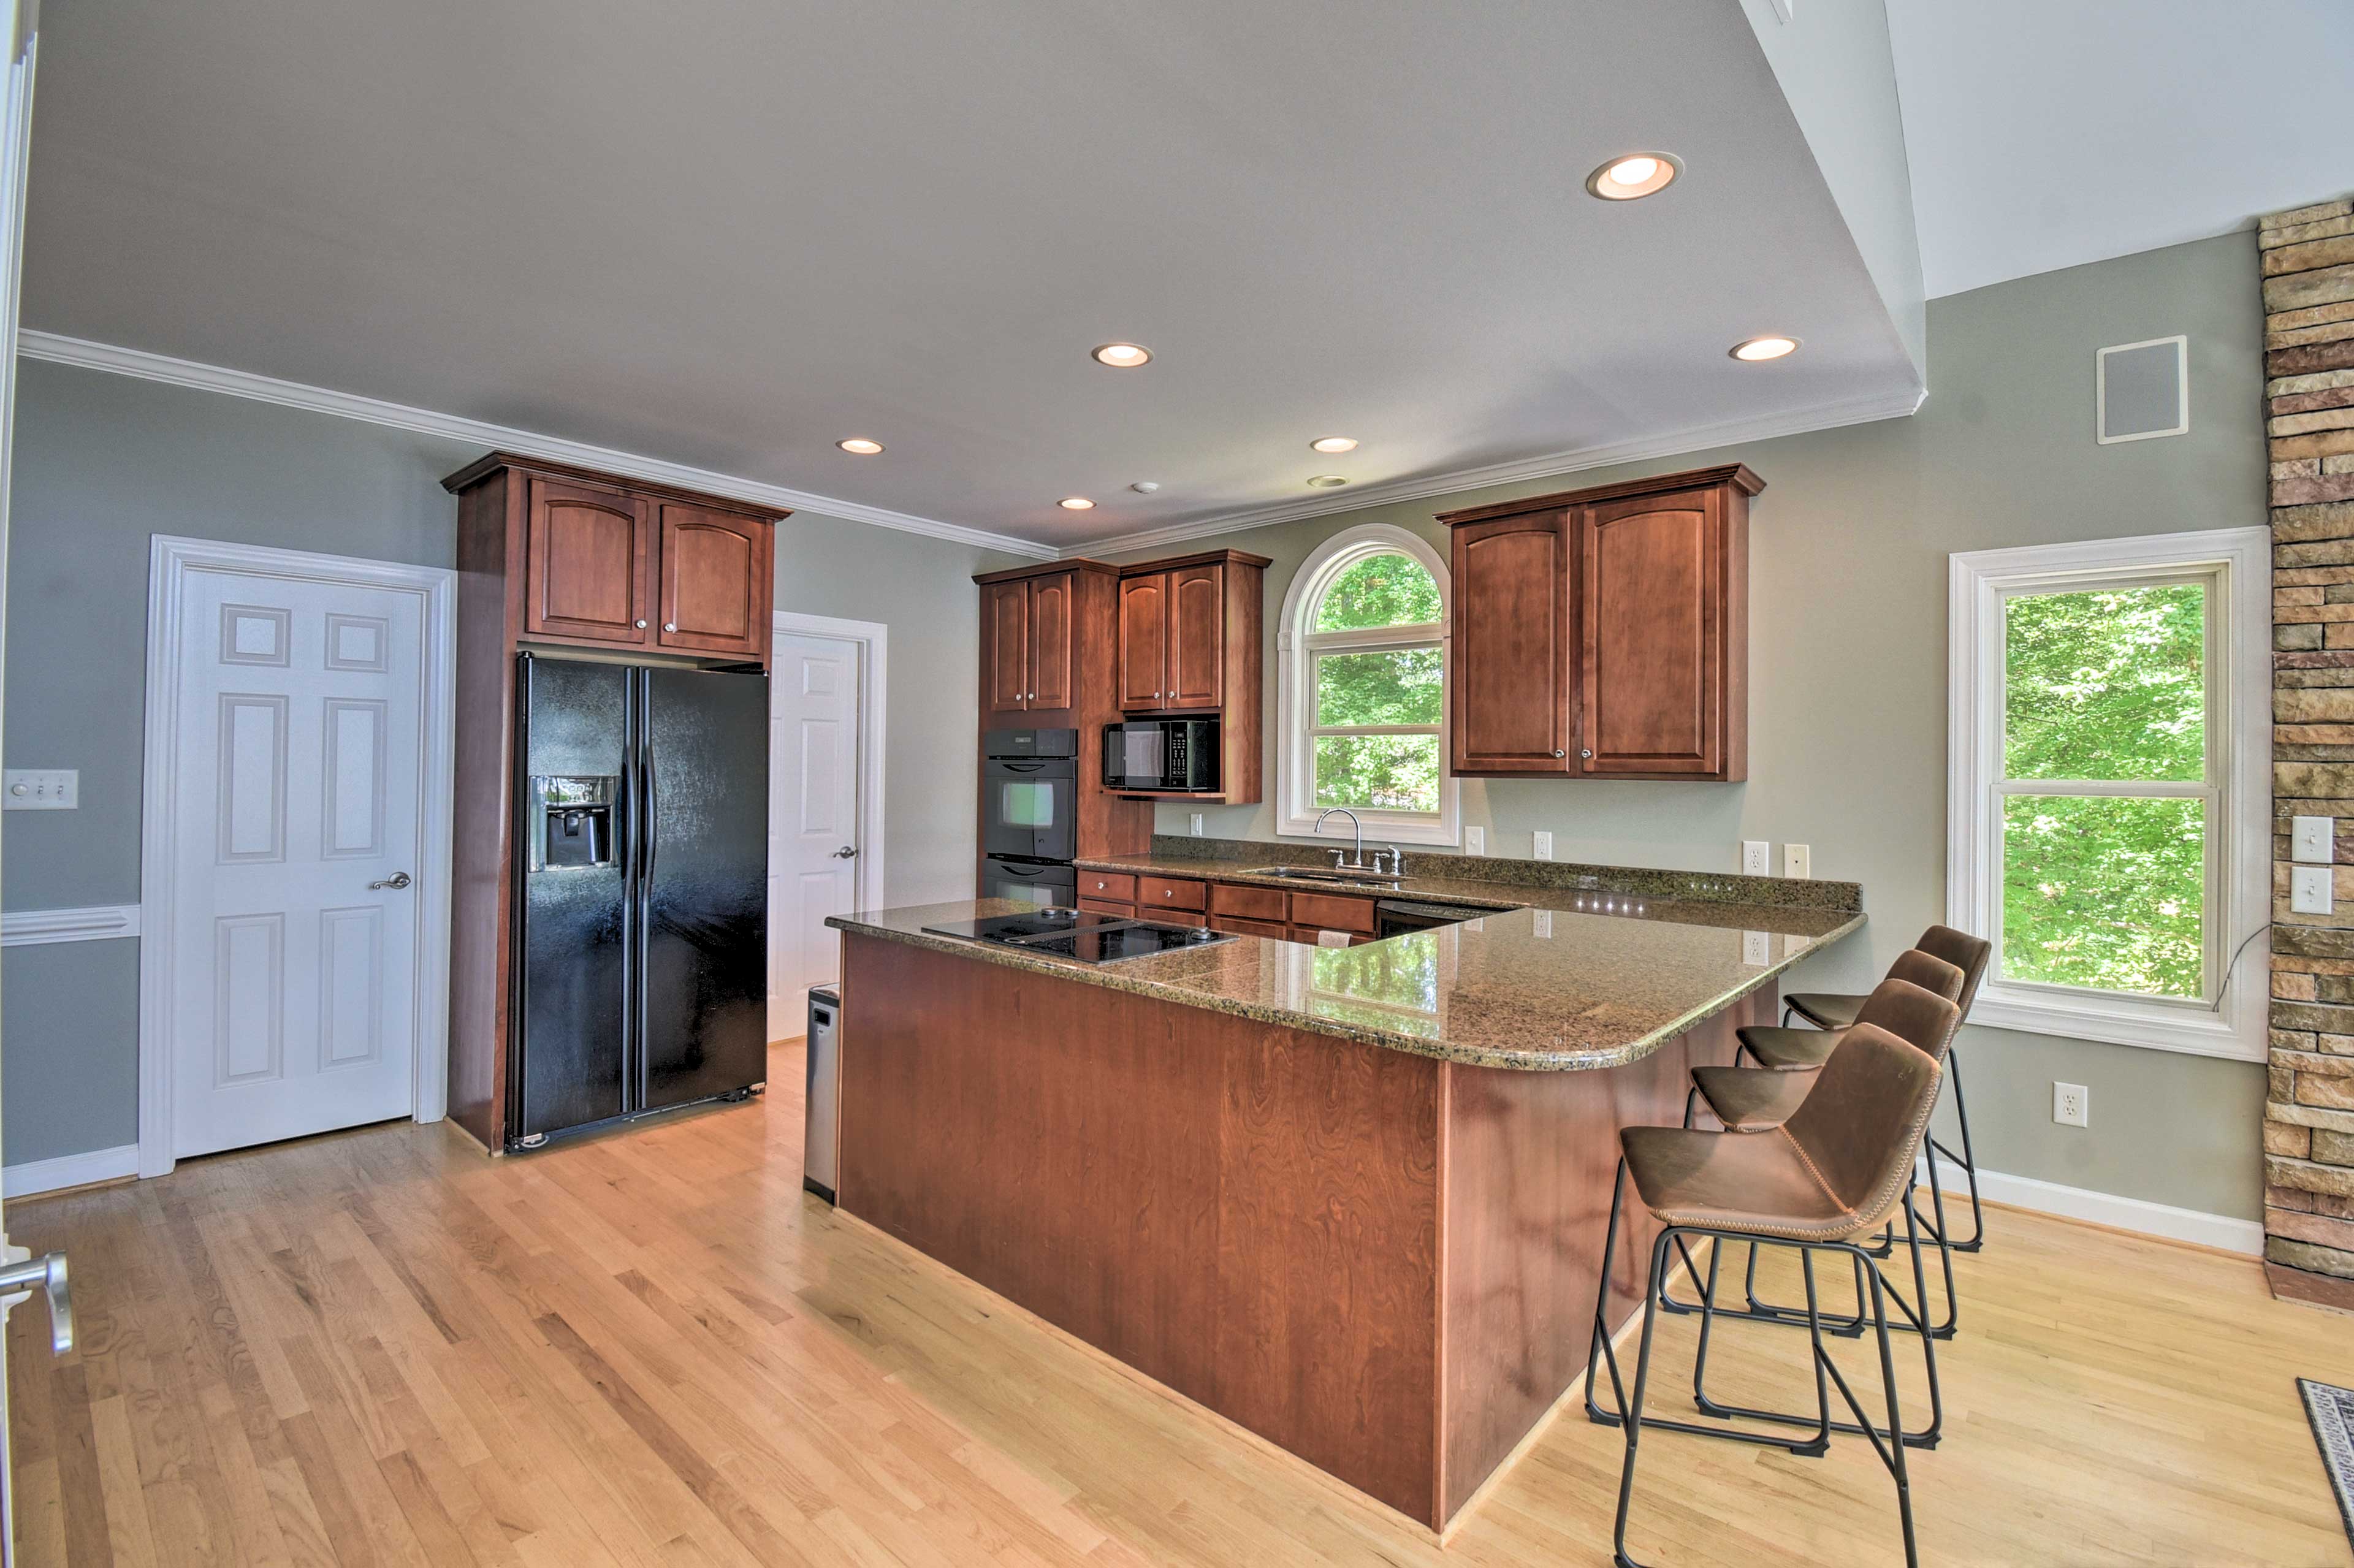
<point x="1841" y="1166"/>
<point x="1800" y="1048"/>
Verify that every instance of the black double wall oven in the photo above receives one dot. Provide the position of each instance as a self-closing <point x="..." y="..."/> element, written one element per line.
<point x="1029" y="814"/>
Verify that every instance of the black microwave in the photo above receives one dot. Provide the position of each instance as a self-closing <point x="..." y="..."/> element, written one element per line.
<point x="1178" y="755"/>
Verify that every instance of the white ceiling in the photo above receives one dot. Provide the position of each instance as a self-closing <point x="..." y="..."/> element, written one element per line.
<point x="726" y="233"/>
<point x="2046" y="133"/>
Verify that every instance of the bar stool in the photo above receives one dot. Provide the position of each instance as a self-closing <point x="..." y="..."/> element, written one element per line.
<point x="1827" y="1011"/>
<point x="1759" y="1099"/>
<point x="1839" y="1167"/>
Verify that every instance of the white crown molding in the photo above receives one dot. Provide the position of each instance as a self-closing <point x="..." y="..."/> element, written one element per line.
<point x="1799" y="422"/>
<point x="89" y="355"/>
<point x="30" y="928"/>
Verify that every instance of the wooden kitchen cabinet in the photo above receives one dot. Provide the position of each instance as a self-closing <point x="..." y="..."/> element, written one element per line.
<point x="1027" y="627"/>
<point x="716" y="580"/>
<point x="1189" y="639"/>
<point x="588" y="548"/>
<point x="1144" y="643"/>
<point x="1604" y="632"/>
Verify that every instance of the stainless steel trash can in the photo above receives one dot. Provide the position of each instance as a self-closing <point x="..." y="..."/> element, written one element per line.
<point x="821" y="1143"/>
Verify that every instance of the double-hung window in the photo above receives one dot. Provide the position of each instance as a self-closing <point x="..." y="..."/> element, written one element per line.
<point x="1362" y="689"/>
<point x="2108" y="810"/>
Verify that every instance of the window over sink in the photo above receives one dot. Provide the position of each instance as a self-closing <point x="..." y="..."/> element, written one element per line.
<point x="1362" y="689"/>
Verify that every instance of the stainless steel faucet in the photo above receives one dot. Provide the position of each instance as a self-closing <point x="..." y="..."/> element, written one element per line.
<point x="1357" y="861"/>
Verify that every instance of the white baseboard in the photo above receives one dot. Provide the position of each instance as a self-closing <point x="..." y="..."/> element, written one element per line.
<point x="70" y="1171"/>
<point x="2104" y="1209"/>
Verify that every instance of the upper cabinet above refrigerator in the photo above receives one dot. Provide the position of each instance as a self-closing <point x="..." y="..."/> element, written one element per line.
<point x="608" y="561"/>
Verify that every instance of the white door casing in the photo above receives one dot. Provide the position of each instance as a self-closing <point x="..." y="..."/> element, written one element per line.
<point x="298" y="758"/>
<point x="825" y="745"/>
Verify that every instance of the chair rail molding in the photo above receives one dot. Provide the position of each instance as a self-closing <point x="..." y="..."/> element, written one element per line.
<point x="97" y="923"/>
<point x="172" y="562"/>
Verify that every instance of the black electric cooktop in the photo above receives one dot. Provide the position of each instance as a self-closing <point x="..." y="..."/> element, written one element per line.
<point x="1078" y="934"/>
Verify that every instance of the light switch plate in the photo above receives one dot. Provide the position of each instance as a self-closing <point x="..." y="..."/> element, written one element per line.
<point x="1194" y="821"/>
<point x="1475" y="841"/>
<point x="41" y="789"/>
<point x="2308" y="889"/>
<point x="1798" y="859"/>
<point x="2315" y="839"/>
<point x="1756" y="947"/>
<point x="1544" y="846"/>
<point x="1754" y="861"/>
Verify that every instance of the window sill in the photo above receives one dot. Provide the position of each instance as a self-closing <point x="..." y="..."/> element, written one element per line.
<point x="1385" y="830"/>
<point x="2123" y="1022"/>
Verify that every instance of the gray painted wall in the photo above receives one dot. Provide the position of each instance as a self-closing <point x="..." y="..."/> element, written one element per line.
<point x="1848" y="551"/>
<point x="104" y="462"/>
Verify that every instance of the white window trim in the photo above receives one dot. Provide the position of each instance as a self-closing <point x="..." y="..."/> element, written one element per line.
<point x="1295" y="770"/>
<point x="2241" y="636"/>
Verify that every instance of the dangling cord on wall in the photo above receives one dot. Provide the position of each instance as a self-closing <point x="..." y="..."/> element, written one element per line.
<point x="2233" y="967"/>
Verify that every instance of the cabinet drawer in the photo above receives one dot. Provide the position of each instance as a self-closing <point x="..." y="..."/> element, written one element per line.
<point x="1248" y="903"/>
<point x="1161" y="893"/>
<point x="1117" y="886"/>
<point x="1274" y="930"/>
<point x="1323" y="912"/>
<point x="1105" y="906"/>
<point x="1169" y="917"/>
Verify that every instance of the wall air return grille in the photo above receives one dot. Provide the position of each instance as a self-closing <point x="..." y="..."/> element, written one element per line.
<point x="2144" y="390"/>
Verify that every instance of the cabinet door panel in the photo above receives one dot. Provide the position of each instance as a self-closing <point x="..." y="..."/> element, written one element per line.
<point x="1005" y="645"/>
<point x="714" y="582"/>
<point x="1510" y="660"/>
<point x="1197" y="637"/>
<point x="1144" y="642"/>
<point x="1050" y="640"/>
<point x="587" y="572"/>
<point x="1651" y="608"/>
<point x="1235" y="924"/>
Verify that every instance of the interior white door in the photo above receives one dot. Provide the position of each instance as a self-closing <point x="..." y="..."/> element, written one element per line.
<point x="813" y="826"/>
<point x="294" y="993"/>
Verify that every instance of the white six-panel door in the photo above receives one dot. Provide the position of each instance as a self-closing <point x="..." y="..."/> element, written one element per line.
<point x="813" y="772"/>
<point x="295" y="986"/>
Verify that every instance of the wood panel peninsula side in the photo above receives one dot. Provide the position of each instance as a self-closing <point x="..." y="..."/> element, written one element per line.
<point x="1352" y="1198"/>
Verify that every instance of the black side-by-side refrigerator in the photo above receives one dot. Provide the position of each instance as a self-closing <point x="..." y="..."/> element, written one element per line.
<point x="639" y="975"/>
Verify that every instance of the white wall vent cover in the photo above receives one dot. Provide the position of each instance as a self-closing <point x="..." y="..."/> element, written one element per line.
<point x="2144" y="390"/>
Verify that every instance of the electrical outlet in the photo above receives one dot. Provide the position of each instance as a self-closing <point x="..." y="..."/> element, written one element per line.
<point x="1475" y="841"/>
<point x="1798" y="859"/>
<point x="1195" y="820"/>
<point x="1544" y="922"/>
<point x="1752" y="858"/>
<point x="2308" y="889"/>
<point x="41" y="789"/>
<point x="1544" y="846"/>
<point x="2071" y="1104"/>
<point x="1756" y="948"/>
<point x="2315" y="839"/>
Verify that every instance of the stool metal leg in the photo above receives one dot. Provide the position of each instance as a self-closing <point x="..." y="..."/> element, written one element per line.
<point x="1967" y="1159"/>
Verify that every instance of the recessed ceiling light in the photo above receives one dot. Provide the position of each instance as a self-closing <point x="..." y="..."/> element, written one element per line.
<point x="1074" y="503"/>
<point x="860" y="445"/>
<point x="1145" y="486"/>
<point x="1122" y="355"/>
<point x="1757" y="349"/>
<point x="1327" y="480"/>
<point x="1634" y="174"/>
<point x="1334" y="444"/>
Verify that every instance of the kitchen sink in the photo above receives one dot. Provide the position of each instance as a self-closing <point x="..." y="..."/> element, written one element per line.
<point x="1320" y="874"/>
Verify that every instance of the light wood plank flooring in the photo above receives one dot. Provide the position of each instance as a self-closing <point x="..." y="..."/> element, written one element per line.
<point x="650" y="1348"/>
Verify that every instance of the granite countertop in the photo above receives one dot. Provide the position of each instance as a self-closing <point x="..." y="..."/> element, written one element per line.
<point x="1540" y="984"/>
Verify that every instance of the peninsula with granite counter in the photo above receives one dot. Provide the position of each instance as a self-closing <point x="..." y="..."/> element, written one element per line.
<point x="1352" y="1198"/>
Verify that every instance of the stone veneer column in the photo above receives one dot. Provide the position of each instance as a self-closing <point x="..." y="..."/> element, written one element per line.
<point x="2308" y="290"/>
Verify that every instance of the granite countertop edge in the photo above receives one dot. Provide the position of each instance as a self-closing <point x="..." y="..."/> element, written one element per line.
<point x="1110" y="978"/>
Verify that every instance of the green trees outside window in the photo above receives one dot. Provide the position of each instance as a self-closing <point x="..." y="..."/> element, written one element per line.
<point x="1378" y="699"/>
<point x="2109" y="789"/>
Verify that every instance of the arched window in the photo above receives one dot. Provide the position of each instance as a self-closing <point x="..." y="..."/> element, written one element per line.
<point x="1362" y="689"/>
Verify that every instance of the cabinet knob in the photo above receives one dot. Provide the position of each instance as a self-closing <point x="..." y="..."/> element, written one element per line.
<point x="670" y="625"/>
<point x="641" y="626"/>
<point x="1557" y="753"/>
<point x="1585" y="754"/>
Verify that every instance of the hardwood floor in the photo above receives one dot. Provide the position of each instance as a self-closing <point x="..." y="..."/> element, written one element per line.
<point x="650" y="1348"/>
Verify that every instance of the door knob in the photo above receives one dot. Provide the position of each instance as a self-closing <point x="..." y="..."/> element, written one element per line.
<point x="49" y="1272"/>
<point x="397" y="879"/>
<point x="845" y="852"/>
